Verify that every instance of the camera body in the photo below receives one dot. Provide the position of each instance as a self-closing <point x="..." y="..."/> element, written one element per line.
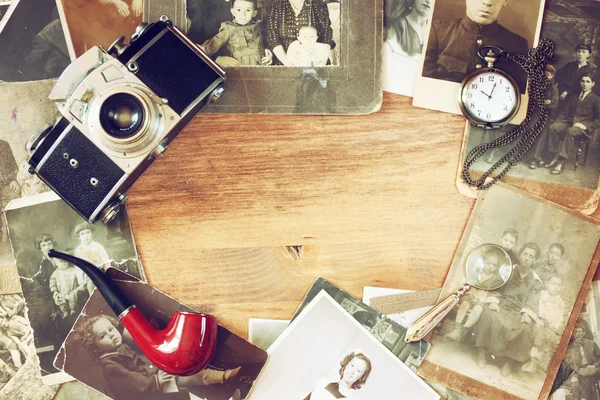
<point x="120" y="110"/>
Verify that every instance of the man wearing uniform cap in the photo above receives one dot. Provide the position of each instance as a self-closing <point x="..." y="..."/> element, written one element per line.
<point x="453" y="44"/>
<point x="569" y="76"/>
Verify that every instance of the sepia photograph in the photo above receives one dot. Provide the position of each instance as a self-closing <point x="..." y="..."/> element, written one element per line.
<point x="457" y="30"/>
<point x="583" y="354"/>
<point x="55" y="291"/>
<point x="27" y="109"/>
<point x="292" y="33"/>
<point x="97" y="22"/>
<point x="34" y="38"/>
<point x="331" y="51"/>
<point x="118" y="369"/>
<point x="386" y="331"/>
<point x="263" y="332"/>
<point x="405" y="28"/>
<point x="506" y="340"/>
<point x="567" y="150"/>
<point x="325" y="353"/>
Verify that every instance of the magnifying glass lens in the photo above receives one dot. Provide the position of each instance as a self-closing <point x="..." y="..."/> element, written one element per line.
<point x="488" y="267"/>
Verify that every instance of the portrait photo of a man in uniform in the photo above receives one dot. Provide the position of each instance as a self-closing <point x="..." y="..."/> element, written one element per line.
<point x="459" y="28"/>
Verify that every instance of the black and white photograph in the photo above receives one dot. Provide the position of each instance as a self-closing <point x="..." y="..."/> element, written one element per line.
<point x="293" y="33"/>
<point x="118" y="369"/>
<point x="16" y="336"/>
<point x="56" y="291"/>
<point x="4" y="8"/>
<point x="386" y="331"/>
<point x="405" y="29"/>
<point x="404" y="318"/>
<point x="506" y="339"/>
<point x="457" y="30"/>
<point x="583" y="354"/>
<point x="97" y="22"/>
<point x="263" y="332"/>
<point x="567" y="151"/>
<point x="34" y="38"/>
<point x="26" y="109"/>
<point x="327" y="354"/>
<point x="293" y="56"/>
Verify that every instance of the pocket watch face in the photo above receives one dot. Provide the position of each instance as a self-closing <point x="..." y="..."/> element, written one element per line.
<point x="489" y="98"/>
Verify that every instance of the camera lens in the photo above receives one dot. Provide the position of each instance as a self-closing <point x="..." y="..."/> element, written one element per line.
<point x="121" y="115"/>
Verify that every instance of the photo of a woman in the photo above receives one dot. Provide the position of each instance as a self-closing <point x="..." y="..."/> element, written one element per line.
<point x="354" y="372"/>
<point x="405" y="24"/>
<point x="284" y="19"/>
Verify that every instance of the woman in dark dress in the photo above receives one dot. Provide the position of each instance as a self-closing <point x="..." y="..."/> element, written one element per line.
<point x="504" y="330"/>
<point x="286" y="17"/>
<point x="354" y="372"/>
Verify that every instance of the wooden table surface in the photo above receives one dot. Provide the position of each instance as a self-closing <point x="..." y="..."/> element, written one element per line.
<point x="372" y="200"/>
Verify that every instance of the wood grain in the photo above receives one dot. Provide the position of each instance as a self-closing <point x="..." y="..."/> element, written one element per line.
<point x="371" y="198"/>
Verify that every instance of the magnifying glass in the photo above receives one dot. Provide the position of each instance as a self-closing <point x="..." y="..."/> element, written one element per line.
<point x="488" y="267"/>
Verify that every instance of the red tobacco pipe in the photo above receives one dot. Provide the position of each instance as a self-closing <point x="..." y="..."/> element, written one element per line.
<point x="184" y="347"/>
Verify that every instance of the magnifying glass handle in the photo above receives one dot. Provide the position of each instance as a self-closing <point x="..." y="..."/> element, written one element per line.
<point x="421" y="327"/>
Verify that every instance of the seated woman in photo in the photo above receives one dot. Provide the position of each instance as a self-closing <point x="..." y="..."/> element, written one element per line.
<point x="286" y="17"/>
<point x="504" y="330"/>
<point x="354" y="372"/>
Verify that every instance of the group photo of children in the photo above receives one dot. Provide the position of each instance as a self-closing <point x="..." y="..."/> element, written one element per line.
<point x="293" y="33"/>
<point x="55" y="291"/>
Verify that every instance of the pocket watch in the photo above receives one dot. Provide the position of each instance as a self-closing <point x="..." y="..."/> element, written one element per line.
<point x="489" y="98"/>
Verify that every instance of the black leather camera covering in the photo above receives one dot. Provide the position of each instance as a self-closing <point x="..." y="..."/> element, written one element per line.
<point x="175" y="72"/>
<point x="73" y="184"/>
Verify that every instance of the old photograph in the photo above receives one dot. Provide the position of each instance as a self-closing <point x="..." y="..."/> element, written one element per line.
<point x="405" y="29"/>
<point x="507" y="339"/>
<point x="117" y="368"/>
<point x="386" y="331"/>
<point x="27" y="108"/>
<point x="98" y="22"/>
<point x="457" y="31"/>
<point x="583" y="354"/>
<point x="4" y="9"/>
<point x="325" y="353"/>
<point x="34" y="38"/>
<point x="56" y="291"/>
<point x="263" y="332"/>
<point x="404" y="318"/>
<point x="567" y="151"/>
<point x="293" y="33"/>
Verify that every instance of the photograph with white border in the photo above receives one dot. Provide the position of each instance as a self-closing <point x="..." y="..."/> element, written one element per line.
<point x="458" y="28"/>
<point x="326" y="352"/>
<point x="405" y="24"/>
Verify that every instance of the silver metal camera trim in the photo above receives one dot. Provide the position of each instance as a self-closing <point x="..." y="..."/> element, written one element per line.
<point x="149" y="134"/>
<point x="129" y="153"/>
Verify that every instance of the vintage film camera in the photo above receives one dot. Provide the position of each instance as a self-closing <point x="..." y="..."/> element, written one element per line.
<point x="120" y="110"/>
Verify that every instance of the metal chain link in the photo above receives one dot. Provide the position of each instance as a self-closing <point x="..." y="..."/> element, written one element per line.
<point x="534" y="63"/>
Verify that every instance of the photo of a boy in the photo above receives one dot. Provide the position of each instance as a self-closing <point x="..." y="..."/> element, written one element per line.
<point x="510" y="238"/>
<point x="549" y="266"/>
<point x="306" y="51"/>
<point x="241" y="38"/>
<point x="89" y="249"/>
<point x="488" y="276"/>
<point x="67" y="284"/>
<point x="546" y="312"/>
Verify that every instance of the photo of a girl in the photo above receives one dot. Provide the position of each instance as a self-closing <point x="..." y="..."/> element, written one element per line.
<point x="354" y="372"/>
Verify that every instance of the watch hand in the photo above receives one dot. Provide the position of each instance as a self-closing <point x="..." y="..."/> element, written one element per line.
<point x="488" y="96"/>
<point x="494" y="88"/>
